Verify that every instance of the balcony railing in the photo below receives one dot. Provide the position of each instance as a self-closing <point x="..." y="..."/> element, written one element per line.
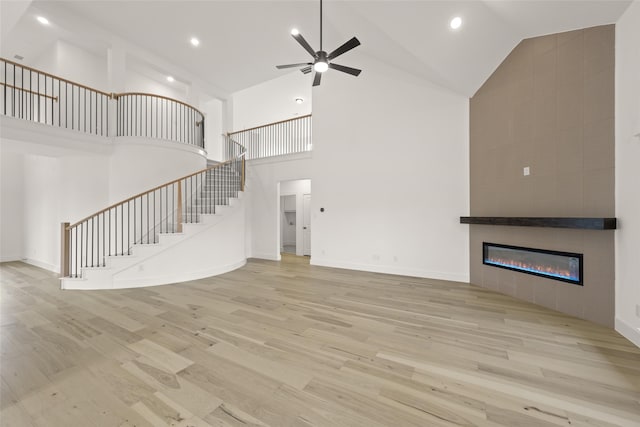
<point x="41" y="97"/>
<point x="153" y="116"/>
<point x="30" y="94"/>
<point x="275" y="139"/>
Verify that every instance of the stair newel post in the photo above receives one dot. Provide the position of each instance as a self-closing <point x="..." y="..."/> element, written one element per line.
<point x="179" y="207"/>
<point x="65" y="237"/>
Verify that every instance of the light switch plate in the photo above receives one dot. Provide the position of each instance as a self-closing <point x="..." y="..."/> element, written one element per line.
<point x="526" y="171"/>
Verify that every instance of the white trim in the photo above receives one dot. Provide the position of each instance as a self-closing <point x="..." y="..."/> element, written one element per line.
<point x="45" y="265"/>
<point x="628" y="331"/>
<point x="389" y="269"/>
<point x="174" y="279"/>
<point x="51" y="137"/>
<point x="159" y="143"/>
<point x="178" y="277"/>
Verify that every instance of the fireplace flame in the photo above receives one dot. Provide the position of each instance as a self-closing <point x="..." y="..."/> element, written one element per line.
<point x="533" y="267"/>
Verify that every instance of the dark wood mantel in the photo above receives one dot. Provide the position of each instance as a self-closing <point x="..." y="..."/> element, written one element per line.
<point x="553" y="222"/>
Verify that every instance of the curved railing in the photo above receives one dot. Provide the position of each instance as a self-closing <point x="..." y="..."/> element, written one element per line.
<point x="276" y="139"/>
<point x="155" y="116"/>
<point x="140" y="219"/>
<point x="30" y="94"/>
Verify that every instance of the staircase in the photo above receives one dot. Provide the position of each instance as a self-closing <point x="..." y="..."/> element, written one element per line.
<point x="187" y="229"/>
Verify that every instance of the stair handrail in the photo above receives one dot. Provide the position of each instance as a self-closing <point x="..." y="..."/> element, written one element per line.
<point x="144" y="193"/>
<point x="106" y="223"/>
<point x="279" y="138"/>
<point x="269" y="124"/>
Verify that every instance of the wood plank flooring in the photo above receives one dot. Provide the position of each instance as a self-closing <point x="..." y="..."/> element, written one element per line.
<point x="289" y="344"/>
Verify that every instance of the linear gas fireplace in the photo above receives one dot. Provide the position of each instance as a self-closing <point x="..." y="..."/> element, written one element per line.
<point x="563" y="266"/>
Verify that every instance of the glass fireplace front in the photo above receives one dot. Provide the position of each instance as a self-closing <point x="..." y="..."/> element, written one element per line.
<point x="563" y="266"/>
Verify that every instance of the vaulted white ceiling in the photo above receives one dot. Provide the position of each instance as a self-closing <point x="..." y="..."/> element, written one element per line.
<point x="242" y="41"/>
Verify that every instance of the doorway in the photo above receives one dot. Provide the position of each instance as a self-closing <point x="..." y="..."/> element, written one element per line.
<point x="288" y="224"/>
<point x="295" y="217"/>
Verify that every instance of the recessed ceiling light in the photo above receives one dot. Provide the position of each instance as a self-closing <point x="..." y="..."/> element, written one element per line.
<point x="455" y="23"/>
<point x="43" y="20"/>
<point x="195" y="41"/>
<point x="170" y="79"/>
<point x="299" y="100"/>
<point x="295" y="32"/>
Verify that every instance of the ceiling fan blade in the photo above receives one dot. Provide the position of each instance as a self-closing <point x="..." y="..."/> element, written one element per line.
<point x="306" y="70"/>
<point x="316" y="79"/>
<point x="304" y="44"/>
<point x="354" y="42"/>
<point x="348" y="70"/>
<point x="302" y="64"/>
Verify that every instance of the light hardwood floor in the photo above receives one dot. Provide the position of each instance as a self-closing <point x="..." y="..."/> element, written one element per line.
<point x="288" y="344"/>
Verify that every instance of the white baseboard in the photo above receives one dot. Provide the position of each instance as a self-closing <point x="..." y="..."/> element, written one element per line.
<point x="390" y="269"/>
<point x="10" y="258"/>
<point x="270" y="257"/>
<point x="628" y="331"/>
<point x="45" y="265"/>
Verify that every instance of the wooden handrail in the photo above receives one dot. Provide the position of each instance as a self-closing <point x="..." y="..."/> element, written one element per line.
<point x="118" y="95"/>
<point x="55" y="77"/>
<point x="148" y="191"/>
<point x="269" y="124"/>
<point x="33" y="92"/>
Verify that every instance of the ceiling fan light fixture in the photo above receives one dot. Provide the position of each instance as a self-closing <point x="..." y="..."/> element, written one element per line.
<point x="321" y="66"/>
<point x="455" y="23"/>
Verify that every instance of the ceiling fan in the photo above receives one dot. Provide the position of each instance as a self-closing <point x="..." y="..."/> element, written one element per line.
<point x="321" y="59"/>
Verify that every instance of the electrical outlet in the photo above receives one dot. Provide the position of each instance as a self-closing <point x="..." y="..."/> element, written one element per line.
<point x="526" y="171"/>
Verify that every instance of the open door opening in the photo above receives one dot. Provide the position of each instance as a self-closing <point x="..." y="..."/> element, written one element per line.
<point x="288" y="224"/>
<point x="295" y="217"/>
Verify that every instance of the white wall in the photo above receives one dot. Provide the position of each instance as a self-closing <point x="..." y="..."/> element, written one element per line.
<point x="81" y="66"/>
<point x="58" y="189"/>
<point x="11" y="205"/>
<point x="138" y="82"/>
<point x="263" y="201"/>
<point x="628" y="173"/>
<point x="390" y="167"/>
<point x="213" y="111"/>
<point x="139" y="164"/>
<point x="76" y="64"/>
<point x="41" y="211"/>
<point x="298" y="188"/>
<point x="272" y="101"/>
